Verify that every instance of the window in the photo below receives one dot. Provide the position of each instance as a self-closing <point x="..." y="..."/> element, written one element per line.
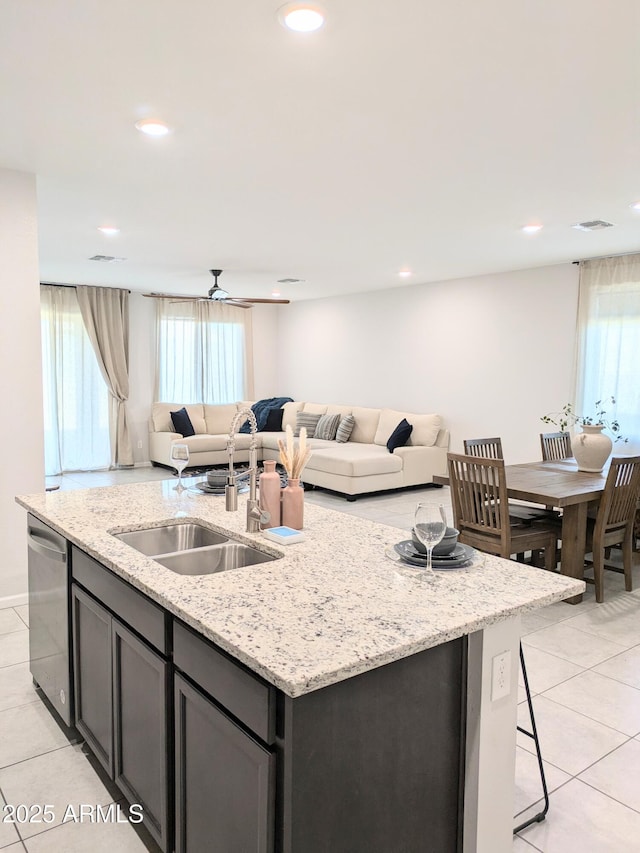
<point x="76" y="399"/>
<point x="609" y="341"/>
<point x="204" y="352"/>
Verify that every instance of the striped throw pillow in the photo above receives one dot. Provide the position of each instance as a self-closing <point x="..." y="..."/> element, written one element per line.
<point x="308" y="421"/>
<point x="345" y="429"/>
<point x="327" y="427"/>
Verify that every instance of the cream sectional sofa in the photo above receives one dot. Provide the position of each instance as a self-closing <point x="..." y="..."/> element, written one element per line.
<point x="361" y="465"/>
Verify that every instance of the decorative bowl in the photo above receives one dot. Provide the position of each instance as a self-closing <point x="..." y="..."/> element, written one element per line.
<point x="445" y="546"/>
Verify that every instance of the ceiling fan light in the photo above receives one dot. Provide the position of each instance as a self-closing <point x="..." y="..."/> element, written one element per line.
<point x="301" y="17"/>
<point x="152" y="127"/>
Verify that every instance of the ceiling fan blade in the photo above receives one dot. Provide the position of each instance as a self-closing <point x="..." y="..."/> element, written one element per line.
<point x="239" y="303"/>
<point x="174" y="296"/>
<point x="273" y="301"/>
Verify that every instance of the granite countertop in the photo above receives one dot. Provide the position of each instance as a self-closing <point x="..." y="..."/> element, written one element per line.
<point x="331" y="607"/>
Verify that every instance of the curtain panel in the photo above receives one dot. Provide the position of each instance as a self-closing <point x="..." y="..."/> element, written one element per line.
<point x="105" y="312"/>
<point x="76" y="404"/>
<point x="609" y="343"/>
<point x="204" y="352"/>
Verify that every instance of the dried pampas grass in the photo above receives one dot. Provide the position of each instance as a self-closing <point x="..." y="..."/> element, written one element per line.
<point x="294" y="457"/>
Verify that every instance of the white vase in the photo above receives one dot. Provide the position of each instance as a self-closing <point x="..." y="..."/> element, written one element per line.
<point x="591" y="448"/>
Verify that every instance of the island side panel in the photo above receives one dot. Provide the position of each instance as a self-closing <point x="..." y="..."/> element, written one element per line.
<point x="375" y="763"/>
<point x="491" y="742"/>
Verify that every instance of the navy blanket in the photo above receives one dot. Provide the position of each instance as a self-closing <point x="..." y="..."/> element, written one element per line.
<point x="261" y="411"/>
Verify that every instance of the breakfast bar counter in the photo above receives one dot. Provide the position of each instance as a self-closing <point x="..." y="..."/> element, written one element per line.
<point x="381" y="724"/>
<point x="330" y="607"/>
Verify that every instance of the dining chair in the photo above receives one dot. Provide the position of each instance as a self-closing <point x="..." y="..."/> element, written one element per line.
<point x="614" y="521"/>
<point x="555" y="446"/>
<point x="481" y="511"/>
<point x="491" y="448"/>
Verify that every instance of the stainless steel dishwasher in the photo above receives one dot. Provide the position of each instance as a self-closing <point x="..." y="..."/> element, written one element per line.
<point x="49" y="625"/>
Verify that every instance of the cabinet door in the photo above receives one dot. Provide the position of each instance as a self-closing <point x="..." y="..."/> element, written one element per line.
<point x="141" y="698"/>
<point x="92" y="675"/>
<point x="225" y="782"/>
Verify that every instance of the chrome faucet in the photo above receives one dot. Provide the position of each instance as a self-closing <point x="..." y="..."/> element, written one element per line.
<point x="255" y="515"/>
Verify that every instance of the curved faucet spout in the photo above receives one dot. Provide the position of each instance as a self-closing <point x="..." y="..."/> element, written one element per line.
<point x="231" y="489"/>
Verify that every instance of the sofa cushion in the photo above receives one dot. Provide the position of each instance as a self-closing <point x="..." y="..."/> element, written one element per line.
<point x="315" y="408"/>
<point x="208" y="443"/>
<point x="290" y="411"/>
<point x="218" y="418"/>
<point x="274" y="420"/>
<point x="366" y="424"/>
<point x="161" y="416"/>
<point x="400" y="436"/>
<point x="345" y="428"/>
<point x="425" y="427"/>
<point x="354" y="460"/>
<point x="182" y="423"/>
<point x="327" y="426"/>
<point x="308" y="421"/>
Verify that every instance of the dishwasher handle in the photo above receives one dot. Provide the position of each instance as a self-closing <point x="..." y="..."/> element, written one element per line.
<point x="37" y="543"/>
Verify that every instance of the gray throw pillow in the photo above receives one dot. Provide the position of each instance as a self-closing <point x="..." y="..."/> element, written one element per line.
<point x="308" y="421"/>
<point x="345" y="429"/>
<point x="327" y="427"/>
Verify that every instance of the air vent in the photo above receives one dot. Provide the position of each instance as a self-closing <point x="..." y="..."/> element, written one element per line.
<point x="107" y="259"/>
<point x="594" y="225"/>
<point x="290" y="280"/>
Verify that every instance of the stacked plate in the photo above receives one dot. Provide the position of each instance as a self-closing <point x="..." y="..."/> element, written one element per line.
<point x="459" y="557"/>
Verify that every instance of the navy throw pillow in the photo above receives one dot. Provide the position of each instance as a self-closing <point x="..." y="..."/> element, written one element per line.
<point x="274" y="421"/>
<point x="182" y="423"/>
<point x="400" y="436"/>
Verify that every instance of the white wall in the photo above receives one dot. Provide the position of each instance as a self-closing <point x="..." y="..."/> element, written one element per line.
<point x="491" y="354"/>
<point x="266" y="341"/>
<point x="20" y="375"/>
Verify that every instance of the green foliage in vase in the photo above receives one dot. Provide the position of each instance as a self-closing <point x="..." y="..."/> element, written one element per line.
<point x="568" y="418"/>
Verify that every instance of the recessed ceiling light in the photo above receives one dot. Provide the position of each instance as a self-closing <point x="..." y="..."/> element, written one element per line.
<point x="152" y="127"/>
<point x="635" y="206"/>
<point x="108" y="230"/>
<point x="405" y="273"/>
<point x="301" y="17"/>
<point x="533" y="228"/>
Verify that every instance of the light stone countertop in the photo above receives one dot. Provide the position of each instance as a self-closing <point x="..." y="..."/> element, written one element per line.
<point x="333" y="606"/>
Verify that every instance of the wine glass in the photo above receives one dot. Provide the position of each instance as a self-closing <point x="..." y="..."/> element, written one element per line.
<point x="180" y="459"/>
<point x="430" y="526"/>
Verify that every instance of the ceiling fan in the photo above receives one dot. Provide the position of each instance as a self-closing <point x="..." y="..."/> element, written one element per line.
<point x="217" y="294"/>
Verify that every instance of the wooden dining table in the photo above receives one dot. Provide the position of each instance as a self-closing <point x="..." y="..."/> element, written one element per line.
<point x="558" y="484"/>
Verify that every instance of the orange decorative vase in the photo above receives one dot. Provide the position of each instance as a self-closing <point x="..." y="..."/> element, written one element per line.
<point x="293" y="504"/>
<point x="269" y="487"/>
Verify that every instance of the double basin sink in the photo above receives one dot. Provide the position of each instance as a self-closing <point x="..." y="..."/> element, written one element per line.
<point x="188" y="548"/>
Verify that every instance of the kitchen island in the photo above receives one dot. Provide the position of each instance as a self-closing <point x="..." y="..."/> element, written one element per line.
<point x="378" y="721"/>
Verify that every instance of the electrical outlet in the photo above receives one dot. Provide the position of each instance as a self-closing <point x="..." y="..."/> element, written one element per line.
<point x="140" y="445"/>
<point x="501" y="676"/>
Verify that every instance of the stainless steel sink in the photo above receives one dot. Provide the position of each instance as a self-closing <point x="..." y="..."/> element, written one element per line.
<point x="218" y="558"/>
<point x="181" y="536"/>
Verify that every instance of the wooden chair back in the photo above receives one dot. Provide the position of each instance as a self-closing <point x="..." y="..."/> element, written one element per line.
<point x="619" y="501"/>
<point x="479" y="499"/>
<point x="484" y="448"/>
<point x="555" y="446"/>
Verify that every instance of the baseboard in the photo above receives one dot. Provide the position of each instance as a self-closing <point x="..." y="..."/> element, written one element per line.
<point x="14" y="600"/>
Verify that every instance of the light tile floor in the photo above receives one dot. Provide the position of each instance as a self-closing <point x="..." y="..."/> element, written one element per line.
<point x="583" y="664"/>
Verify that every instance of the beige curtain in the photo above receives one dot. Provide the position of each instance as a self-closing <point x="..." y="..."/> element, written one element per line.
<point x="105" y="312"/>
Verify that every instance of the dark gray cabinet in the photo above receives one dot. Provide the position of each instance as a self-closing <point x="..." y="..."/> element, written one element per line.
<point x="140" y="729"/>
<point x="92" y="675"/>
<point x="225" y="780"/>
<point x="124" y="708"/>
